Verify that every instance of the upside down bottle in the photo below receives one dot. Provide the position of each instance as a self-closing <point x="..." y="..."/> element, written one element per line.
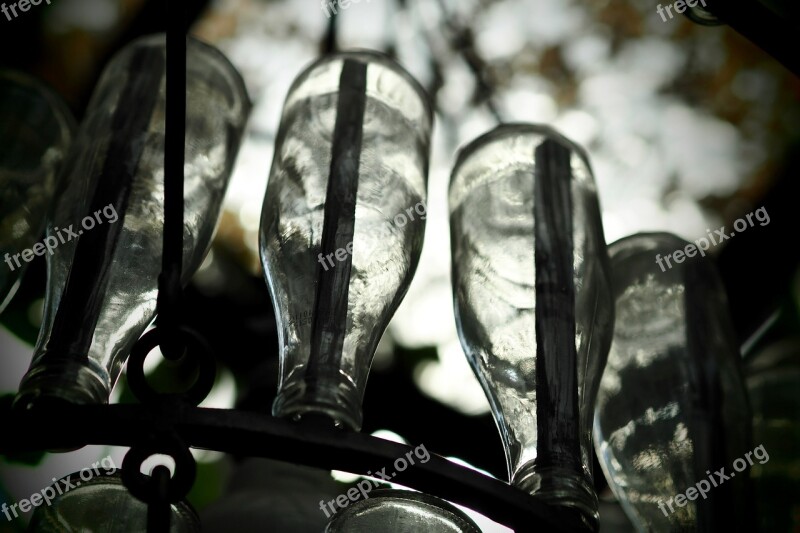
<point x="103" y="276"/>
<point x="341" y="228"/>
<point x="36" y="129"/>
<point x="532" y="301"/>
<point x="672" y="408"/>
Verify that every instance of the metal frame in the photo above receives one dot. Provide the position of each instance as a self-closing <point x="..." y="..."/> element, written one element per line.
<point x="766" y="29"/>
<point x="260" y="435"/>
<point x="172" y="424"/>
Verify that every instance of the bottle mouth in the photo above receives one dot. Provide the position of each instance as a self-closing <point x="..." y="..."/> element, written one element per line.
<point x="338" y="400"/>
<point x="563" y="487"/>
<point x="70" y="382"/>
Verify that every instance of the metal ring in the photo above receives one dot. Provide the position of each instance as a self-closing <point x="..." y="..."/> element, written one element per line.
<point x="143" y="486"/>
<point x="196" y="348"/>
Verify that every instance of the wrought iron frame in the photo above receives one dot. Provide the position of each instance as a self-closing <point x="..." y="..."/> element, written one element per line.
<point x="171" y="424"/>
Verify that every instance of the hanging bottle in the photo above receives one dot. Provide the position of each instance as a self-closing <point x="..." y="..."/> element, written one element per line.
<point x="672" y="408"/>
<point x="36" y="129"/>
<point x="532" y="301"/>
<point x="342" y="225"/>
<point x="108" y="216"/>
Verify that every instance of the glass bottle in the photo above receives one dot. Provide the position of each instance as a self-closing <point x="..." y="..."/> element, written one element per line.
<point x="98" y="503"/>
<point x="36" y="129"/>
<point x="532" y="301"/>
<point x="672" y="407"/>
<point x="342" y="225"/>
<point x="103" y="276"/>
<point x="401" y="511"/>
<point x="773" y="385"/>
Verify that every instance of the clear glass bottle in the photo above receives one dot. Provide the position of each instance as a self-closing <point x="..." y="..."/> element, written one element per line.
<point x="532" y="301"/>
<point x="342" y="225"/>
<point x="100" y="503"/>
<point x="401" y="511"/>
<point x="103" y="276"/>
<point x="672" y="407"/>
<point x="773" y="385"/>
<point x="36" y="129"/>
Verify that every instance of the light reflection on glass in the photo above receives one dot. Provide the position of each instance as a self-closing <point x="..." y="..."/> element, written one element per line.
<point x="671" y="403"/>
<point x="36" y="130"/>
<point x="103" y="282"/>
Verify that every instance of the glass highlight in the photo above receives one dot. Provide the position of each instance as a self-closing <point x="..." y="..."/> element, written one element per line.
<point x="103" y="281"/>
<point x="672" y="407"/>
<point x="342" y="225"/>
<point x="36" y="130"/>
<point x="533" y="302"/>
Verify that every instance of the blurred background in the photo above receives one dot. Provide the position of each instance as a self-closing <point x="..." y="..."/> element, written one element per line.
<point x="688" y="127"/>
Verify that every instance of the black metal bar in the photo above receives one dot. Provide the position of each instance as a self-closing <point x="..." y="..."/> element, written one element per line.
<point x="158" y="509"/>
<point x="174" y="158"/>
<point x="77" y="316"/>
<point x="149" y="19"/>
<point x="330" y="309"/>
<point x="759" y="24"/>
<point x="328" y="44"/>
<point x="259" y="435"/>
<point x="705" y="430"/>
<point x="558" y="441"/>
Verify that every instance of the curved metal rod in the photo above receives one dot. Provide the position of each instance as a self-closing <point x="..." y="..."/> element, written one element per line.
<point x="259" y="435"/>
<point x="763" y="27"/>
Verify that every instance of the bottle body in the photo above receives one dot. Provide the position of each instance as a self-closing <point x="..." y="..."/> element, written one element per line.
<point x="103" y="279"/>
<point x="773" y="385"/>
<point x="401" y="511"/>
<point x="100" y="502"/>
<point x="35" y="133"/>
<point x="672" y="407"/>
<point x="532" y="301"/>
<point x="342" y="225"/>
